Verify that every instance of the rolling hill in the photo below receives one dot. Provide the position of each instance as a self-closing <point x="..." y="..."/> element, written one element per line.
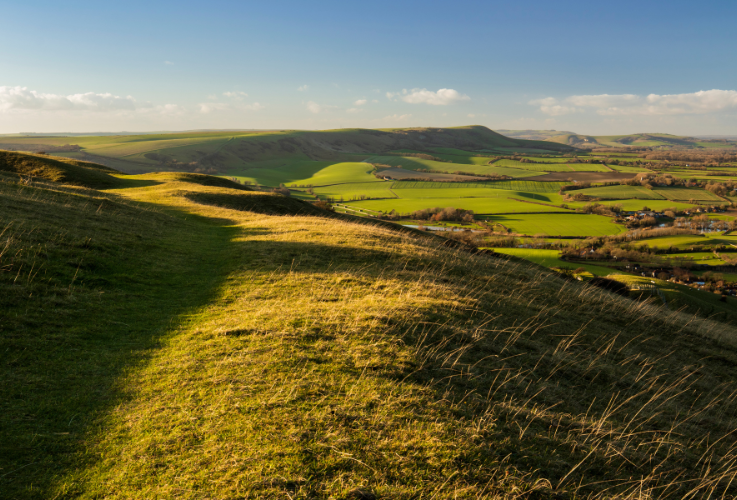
<point x="654" y="141"/>
<point x="228" y="149"/>
<point x="176" y="335"/>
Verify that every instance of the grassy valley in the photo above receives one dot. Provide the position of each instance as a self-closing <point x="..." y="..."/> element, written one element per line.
<point x="406" y="313"/>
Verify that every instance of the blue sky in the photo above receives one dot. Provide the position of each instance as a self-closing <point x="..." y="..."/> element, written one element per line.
<point x="588" y="67"/>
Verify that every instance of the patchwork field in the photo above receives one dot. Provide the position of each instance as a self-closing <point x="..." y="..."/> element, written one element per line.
<point x="514" y="185"/>
<point x="558" y="224"/>
<point x="551" y="258"/>
<point x="687" y="241"/>
<point x="554" y="167"/>
<point x="686" y="194"/>
<point x="496" y="202"/>
<point x="410" y="163"/>
<point x="356" y="190"/>
<point x="621" y="193"/>
<point x="583" y="177"/>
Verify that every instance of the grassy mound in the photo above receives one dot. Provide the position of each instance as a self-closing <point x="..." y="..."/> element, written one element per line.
<point x="58" y="169"/>
<point x="168" y="340"/>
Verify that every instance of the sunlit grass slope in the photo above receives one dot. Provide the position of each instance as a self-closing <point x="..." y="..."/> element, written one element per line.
<point x="176" y="339"/>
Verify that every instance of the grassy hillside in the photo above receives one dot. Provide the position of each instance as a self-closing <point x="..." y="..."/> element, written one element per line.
<point x="176" y="337"/>
<point x="56" y="169"/>
<point x="655" y="141"/>
<point x="232" y="151"/>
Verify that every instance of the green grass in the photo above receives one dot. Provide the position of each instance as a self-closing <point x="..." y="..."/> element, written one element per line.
<point x="628" y="168"/>
<point x="438" y="166"/>
<point x="556" y="167"/>
<point x="687" y="241"/>
<point x="482" y="205"/>
<point x="558" y="224"/>
<point x="686" y="298"/>
<point x="621" y="193"/>
<point x="340" y="173"/>
<point x="685" y="194"/>
<point x="634" y="205"/>
<point x="354" y="190"/>
<point x="706" y="258"/>
<point x="551" y="258"/>
<point x="460" y="187"/>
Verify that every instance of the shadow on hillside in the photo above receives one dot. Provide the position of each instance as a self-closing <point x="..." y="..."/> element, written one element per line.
<point x="534" y="196"/>
<point x="67" y="347"/>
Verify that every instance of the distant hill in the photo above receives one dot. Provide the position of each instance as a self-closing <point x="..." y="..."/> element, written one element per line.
<point x="228" y="149"/>
<point x="643" y="140"/>
<point x="534" y="135"/>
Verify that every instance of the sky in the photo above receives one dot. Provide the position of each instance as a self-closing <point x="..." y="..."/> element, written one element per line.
<point x="587" y="67"/>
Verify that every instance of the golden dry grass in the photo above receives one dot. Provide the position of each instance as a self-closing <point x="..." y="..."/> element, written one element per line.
<point x="325" y="355"/>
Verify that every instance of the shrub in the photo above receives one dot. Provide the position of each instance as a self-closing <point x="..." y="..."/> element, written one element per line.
<point x="324" y="205"/>
<point x="611" y="285"/>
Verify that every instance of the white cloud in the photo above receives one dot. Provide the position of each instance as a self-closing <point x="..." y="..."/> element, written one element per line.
<point x="442" y="97"/>
<point x="211" y="107"/>
<point x="375" y="101"/>
<point x="20" y="98"/>
<point x="313" y="107"/>
<point x="696" y="103"/>
<point x="303" y="88"/>
<point x="603" y="100"/>
<point x="471" y="115"/>
<point x="235" y="95"/>
<point x="360" y="102"/>
<point x="353" y="110"/>
<point x="550" y="106"/>
<point x="168" y="63"/>
<point x="164" y="110"/>
<point x="397" y="118"/>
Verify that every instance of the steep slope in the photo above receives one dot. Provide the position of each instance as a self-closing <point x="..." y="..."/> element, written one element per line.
<point x="158" y="344"/>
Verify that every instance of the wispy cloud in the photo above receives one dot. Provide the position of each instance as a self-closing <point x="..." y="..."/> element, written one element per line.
<point x="442" y="97"/>
<point x="397" y="118"/>
<point x="696" y="103"/>
<point x="303" y="88"/>
<point x="168" y="63"/>
<point x="211" y="107"/>
<point x="360" y="102"/>
<point x="20" y="98"/>
<point x="313" y="107"/>
<point x="235" y="95"/>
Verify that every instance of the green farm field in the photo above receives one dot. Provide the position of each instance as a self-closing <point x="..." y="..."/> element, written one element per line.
<point x="706" y="258"/>
<point x="687" y="241"/>
<point x="621" y="193"/>
<point x="556" y="167"/>
<point x="355" y="190"/>
<point x="411" y="163"/>
<point x="558" y="224"/>
<point x="498" y="203"/>
<point x="685" y="194"/>
<point x="341" y="173"/>
<point x="631" y="205"/>
<point x="513" y="185"/>
<point x="551" y="258"/>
